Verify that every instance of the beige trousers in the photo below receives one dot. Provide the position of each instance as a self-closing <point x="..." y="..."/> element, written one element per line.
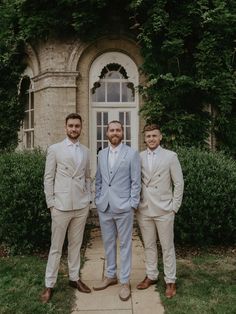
<point x="164" y="226"/>
<point x="74" y="222"/>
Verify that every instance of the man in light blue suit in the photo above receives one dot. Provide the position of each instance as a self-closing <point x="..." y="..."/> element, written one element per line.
<point x="118" y="185"/>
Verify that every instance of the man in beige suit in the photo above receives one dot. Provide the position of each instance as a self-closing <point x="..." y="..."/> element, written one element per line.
<point x="68" y="192"/>
<point x="161" y="197"/>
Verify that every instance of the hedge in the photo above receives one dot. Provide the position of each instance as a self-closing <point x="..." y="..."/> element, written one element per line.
<point x="24" y="218"/>
<point x="207" y="215"/>
<point x="208" y="212"/>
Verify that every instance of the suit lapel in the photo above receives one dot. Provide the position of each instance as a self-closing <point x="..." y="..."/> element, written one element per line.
<point x="156" y="163"/>
<point x="121" y="158"/>
<point x="104" y="160"/>
<point x="80" y="164"/>
<point x="146" y="167"/>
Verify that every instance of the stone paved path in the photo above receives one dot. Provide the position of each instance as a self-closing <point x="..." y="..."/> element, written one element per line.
<point x="107" y="301"/>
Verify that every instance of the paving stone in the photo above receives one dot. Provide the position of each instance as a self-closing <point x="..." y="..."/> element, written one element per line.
<point x="107" y="301"/>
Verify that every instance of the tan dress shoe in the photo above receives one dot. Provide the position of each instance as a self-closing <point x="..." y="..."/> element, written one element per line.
<point x="106" y="282"/>
<point x="80" y="286"/>
<point x="125" y="292"/>
<point x="170" y="290"/>
<point x="46" y="295"/>
<point x="146" y="283"/>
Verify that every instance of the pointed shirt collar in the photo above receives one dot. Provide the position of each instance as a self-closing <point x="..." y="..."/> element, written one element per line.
<point x="69" y="143"/>
<point x="155" y="151"/>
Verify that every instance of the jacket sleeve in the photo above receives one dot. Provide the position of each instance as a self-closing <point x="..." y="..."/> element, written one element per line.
<point x="178" y="182"/>
<point x="98" y="180"/>
<point x="88" y="177"/>
<point x="49" y="177"/>
<point x="135" y="180"/>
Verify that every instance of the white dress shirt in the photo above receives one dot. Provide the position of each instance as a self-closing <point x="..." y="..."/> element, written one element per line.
<point x="75" y="151"/>
<point x="152" y="156"/>
<point x="113" y="155"/>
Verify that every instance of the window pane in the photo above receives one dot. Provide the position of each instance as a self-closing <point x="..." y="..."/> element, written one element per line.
<point x="105" y="118"/>
<point x="113" y="92"/>
<point x="113" y="75"/>
<point x="105" y="144"/>
<point x="99" y="118"/>
<point x="104" y="132"/>
<point x="28" y="139"/>
<point x="128" y="134"/>
<point x="26" y="101"/>
<point x="98" y="92"/>
<point x="127" y="92"/>
<point x="32" y="139"/>
<point x="99" y="133"/>
<point x="121" y="117"/>
<point x="32" y="100"/>
<point x="127" y="118"/>
<point x="26" y="120"/>
<point x="32" y="119"/>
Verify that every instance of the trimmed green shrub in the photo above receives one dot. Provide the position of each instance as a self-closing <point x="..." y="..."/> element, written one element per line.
<point x="207" y="215"/>
<point x="24" y="218"/>
<point x="208" y="212"/>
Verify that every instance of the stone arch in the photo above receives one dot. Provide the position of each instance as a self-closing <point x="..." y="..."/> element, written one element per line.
<point x="32" y="60"/>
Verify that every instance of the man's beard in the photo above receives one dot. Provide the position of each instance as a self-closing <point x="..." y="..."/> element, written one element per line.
<point x="74" y="136"/>
<point x="115" y="140"/>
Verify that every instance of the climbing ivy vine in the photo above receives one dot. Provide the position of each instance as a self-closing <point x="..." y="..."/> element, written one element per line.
<point x="188" y="49"/>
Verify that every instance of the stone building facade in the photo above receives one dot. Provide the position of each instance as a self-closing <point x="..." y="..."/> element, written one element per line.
<point x="99" y="80"/>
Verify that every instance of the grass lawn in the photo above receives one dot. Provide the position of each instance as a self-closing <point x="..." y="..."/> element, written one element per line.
<point x="22" y="281"/>
<point x="206" y="284"/>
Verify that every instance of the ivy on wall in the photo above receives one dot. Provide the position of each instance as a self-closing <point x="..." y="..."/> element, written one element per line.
<point x="187" y="46"/>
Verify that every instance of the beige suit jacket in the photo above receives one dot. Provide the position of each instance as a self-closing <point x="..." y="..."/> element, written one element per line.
<point x="162" y="188"/>
<point x="67" y="186"/>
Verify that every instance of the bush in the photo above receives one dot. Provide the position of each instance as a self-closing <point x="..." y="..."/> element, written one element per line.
<point x="208" y="212"/>
<point x="24" y="218"/>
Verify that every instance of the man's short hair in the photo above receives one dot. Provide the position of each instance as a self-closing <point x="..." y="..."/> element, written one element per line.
<point x="151" y="127"/>
<point x="115" y="121"/>
<point x="73" y="116"/>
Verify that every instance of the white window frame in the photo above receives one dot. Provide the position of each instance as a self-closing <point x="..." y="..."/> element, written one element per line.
<point x="30" y="130"/>
<point x="113" y="107"/>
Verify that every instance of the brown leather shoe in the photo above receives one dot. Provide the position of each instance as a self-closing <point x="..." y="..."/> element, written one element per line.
<point x="146" y="283"/>
<point x="80" y="286"/>
<point x="46" y="295"/>
<point x="170" y="290"/>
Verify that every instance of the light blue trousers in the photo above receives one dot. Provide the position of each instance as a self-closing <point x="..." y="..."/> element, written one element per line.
<point x="117" y="226"/>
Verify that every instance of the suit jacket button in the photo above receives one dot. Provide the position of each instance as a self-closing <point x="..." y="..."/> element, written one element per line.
<point x="109" y="184"/>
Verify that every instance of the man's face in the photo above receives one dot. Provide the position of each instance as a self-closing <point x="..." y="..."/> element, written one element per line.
<point x="115" y="134"/>
<point x="153" y="139"/>
<point x="73" y="129"/>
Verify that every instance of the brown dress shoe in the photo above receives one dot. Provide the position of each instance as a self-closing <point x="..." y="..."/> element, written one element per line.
<point x="146" y="283"/>
<point x="170" y="290"/>
<point x="80" y="286"/>
<point x="46" y="295"/>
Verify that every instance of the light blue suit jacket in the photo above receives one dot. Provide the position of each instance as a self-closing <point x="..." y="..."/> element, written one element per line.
<point x="119" y="187"/>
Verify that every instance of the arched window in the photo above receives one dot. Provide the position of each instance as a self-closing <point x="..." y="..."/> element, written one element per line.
<point x="113" y="86"/>
<point x="113" y="78"/>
